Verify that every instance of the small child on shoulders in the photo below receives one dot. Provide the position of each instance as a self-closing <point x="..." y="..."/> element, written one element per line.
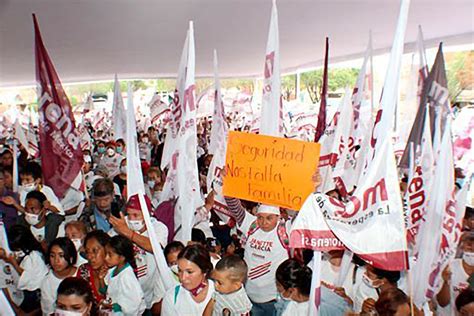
<point x="230" y="297"/>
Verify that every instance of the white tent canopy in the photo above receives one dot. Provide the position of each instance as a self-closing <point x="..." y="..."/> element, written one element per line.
<point x="93" y="39"/>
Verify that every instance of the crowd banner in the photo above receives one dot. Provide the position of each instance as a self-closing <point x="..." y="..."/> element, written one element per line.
<point x="219" y="131"/>
<point x="157" y="108"/>
<point x="321" y="126"/>
<point x="61" y="154"/>
<point x="135" y="186"/>
<point x="271" y="122"/>
<point x="119" y="123"/>
<point x="432" y="233"/>
<point x="180" y="150"/>
<point x="270" y="170"/>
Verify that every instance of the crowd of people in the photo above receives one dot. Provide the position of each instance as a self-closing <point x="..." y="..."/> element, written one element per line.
<point x="89" y="253"/>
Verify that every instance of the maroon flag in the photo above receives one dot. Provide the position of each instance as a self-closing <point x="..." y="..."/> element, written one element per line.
<point x="61" y="154"/>
<point x="324" y="92"/>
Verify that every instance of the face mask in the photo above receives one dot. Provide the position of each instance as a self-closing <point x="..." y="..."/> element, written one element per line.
<point x="369" y="282"/>
<point x="145" y="140"/>
<point x="32" y="219"/>
<point x="468" y="258"/>
<point x="110" y="152"/>
<point x="135" y="225"/>
<point x="77" y="243"/>
<point x="101" y="150"/>
<point x="60" y="312"/>
<point x="174" y="269"/>
<point x="18" y="254"/>
<point x="87" y="159"/>
<point x="28" y="187"/>
<point x="118" y="150"/>
<point x="123" y="169"/>
<point x="282" y="298"/>
<point x="151" y="184"/>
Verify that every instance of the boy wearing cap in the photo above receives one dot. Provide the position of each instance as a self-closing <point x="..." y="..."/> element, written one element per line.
<point x="266" y="246"/>
<point x="132" y="226"/>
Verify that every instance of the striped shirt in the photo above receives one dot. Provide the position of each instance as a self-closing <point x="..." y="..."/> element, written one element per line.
<point x="233" y="304"/>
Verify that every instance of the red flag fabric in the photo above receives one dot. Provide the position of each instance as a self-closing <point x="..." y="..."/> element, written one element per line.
<point x="61" y="154"/>
<point x="324" y="91"/>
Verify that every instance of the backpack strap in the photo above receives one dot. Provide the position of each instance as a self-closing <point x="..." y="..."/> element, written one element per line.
<point x="283" y="236"/>
<point x="252" y="229"/>
<point x="176" y="292"/>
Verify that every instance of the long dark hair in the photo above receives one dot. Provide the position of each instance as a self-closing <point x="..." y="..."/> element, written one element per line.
<point x="66" y="245"/>
<point x="198" y="255"/>
<point x="123" y="247"/>
<point x="291" y="273"/>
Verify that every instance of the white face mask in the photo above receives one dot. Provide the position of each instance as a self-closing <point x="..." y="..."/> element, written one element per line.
<point x="60" y="312"/>
<point x="145" y="140"/>
<point x="282" y="298"/>
<point x="110" y="152"/>
<point x="174" y="269"/>
<point x="151" y="184"/>
<point x="32" y="219"/>
<point x="77" y="243"/>
<point x="468" y="258"/>
<point x="28" y="187"/>
<point x="123" y="169"/>
<point x="19" y="254"/>
<point x="135" y="225"/>
<point x="368" y="281"/>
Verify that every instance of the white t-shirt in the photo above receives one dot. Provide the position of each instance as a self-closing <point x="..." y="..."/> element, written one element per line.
<point x="330" y="275"/>
<point x="296" y="309"/>
<point x="50" y="196"/>
<point x="49" y="288"/>
<point x="179" y="301"/>
<point x="39" y="233"/>
<point x="34" y="271"/>
<point x="72" y="198"/>
<point x="124" y="290"/>
<point x="112" y="164"/>
<point x="458" y="283"/>
<point x="263" y="254"/>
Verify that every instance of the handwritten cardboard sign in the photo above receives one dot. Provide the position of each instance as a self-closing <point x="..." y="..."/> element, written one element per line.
<point x="270" y="170"/>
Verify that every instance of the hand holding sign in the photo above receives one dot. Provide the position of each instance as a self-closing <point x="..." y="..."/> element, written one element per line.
<point x="270" y="170"/>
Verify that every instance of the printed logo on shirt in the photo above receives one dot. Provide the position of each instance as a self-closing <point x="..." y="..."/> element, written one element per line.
<point x="460" y="287"/>
<point x="261" y="245"/>
<point x="259" y="270"/>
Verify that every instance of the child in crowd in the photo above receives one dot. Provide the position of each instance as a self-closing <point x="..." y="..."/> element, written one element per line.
<point x="124" y="294"/>
<point x="77" y="231"/>
<point x="230" y="297"/>
<point x="62" y="257"/>
<point x="171" y="253"/>
<point x="27" y="260"/>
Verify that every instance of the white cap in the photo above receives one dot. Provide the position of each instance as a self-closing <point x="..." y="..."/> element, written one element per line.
<point x="267" y="209"/>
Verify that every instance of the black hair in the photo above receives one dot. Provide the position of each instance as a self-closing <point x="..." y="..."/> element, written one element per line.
<point x="389" y="301"/>
<point x="198" y="235"/>
<point x="120" y="141"/>
<point x="21" y="238"/>
<point x="235" y="265"/>
<point x="173" y="247"/>
<point x="391" y="276"/>
<point x="469" y="212"/>
<point x="198" y="255"/>
<point x="212" y="244"/>
<point x="99" y="235"/>
<point x="34" y="169"/>
<point x="37" y="195"/>
<point x="103" y="187"/>
<point x="465" y="297"/>
<point x="79" y="287"/>
<point x="123" y="247"/>
<point x="66" y="245"/>
<point x="292" y="274"/>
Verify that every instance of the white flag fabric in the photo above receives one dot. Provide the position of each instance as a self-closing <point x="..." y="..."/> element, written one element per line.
<point x="119" y="124"/>
<point x="271" y="121"/>
<point x="180" y="150"/>
<point x="32" y="142"/>
<point x="441" y="215"/>
<point x="157" y="108"/>
<point x="135" y="186"/>
<point x="419" y="187"/>
<point x="21" y="136"/>
<point x="219" y="131"/>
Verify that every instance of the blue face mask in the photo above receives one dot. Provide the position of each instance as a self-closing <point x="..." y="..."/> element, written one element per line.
<point x="118" y="150"/>
<point x="101" y="150"/>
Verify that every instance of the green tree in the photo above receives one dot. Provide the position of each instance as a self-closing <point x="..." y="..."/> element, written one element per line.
<point x="459" y="70"/>
<point x="288" y="87"/>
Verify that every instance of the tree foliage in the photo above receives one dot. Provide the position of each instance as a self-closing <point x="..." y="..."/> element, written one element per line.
<point x="337" y="78"/>
<point x="459" y="72"/>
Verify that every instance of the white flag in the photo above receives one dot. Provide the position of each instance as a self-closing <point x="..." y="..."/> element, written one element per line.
<point x="118" y="113"/>
<point x="218" y="138"/>
<point x="135" y="186"/>
<point x="439" y="223"/>
<point x="180" y="151"/>
<point x="272" y="112"/>
<point x="21" y="137"/>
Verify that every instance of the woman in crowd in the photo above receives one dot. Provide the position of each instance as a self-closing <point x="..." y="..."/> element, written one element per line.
<point x="62" y="257"/>
<point x="95" y="270"/>
<point x="195" y="290"/>
<point x="74" y="298"/>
